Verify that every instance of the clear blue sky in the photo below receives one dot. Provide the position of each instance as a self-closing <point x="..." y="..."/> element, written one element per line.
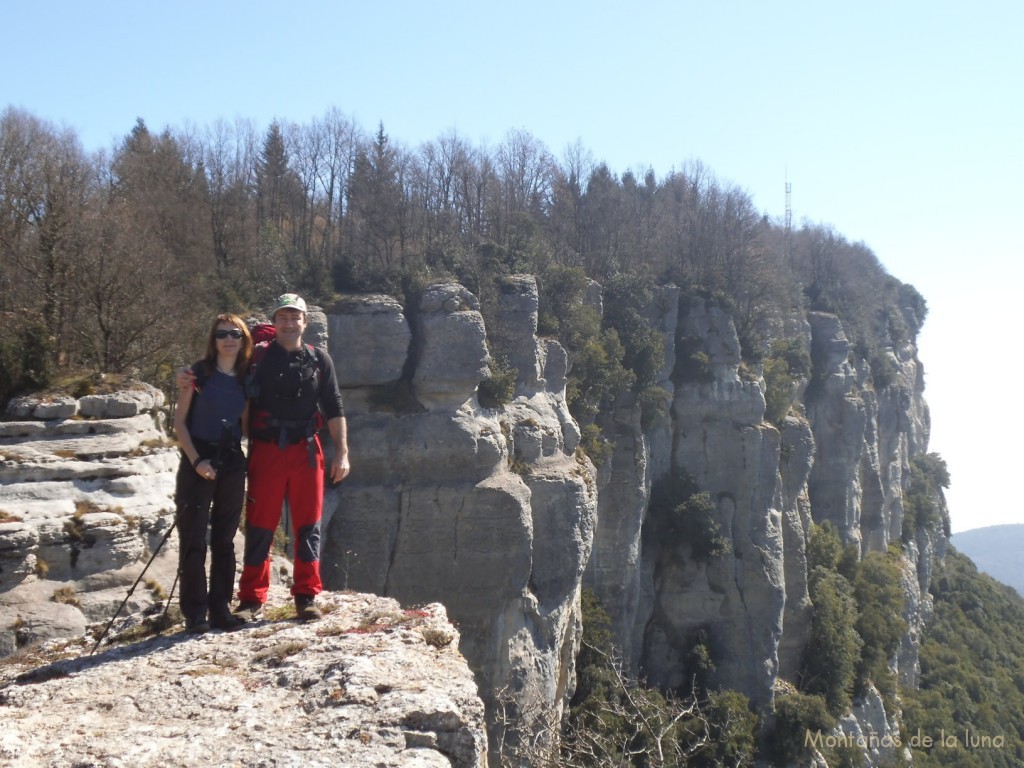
<point x="899" y="123"/>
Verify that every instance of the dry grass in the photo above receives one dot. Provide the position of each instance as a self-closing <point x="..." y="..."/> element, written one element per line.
<point x="66" y="596"/>
<point x="155" y="589"/>
<point x="81" y="383"/>
<point x="438" y="638"/>
<point x="74" y="529"/>
<point x="85" y="507"/>
<point x="281" y="612"/>
<point x="275" y="655"/>
<point x="151" y="626"/>
<point x="7" y="517"/>
<point x="152" y="445"/>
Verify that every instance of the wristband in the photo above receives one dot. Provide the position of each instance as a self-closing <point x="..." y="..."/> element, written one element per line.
<point x="199" y="460"/>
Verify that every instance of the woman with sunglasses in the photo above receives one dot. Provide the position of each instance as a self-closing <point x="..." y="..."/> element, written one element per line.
<point x="210" y="419"/>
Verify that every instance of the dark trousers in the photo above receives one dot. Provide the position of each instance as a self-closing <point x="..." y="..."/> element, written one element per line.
<point x="215" y="505"/>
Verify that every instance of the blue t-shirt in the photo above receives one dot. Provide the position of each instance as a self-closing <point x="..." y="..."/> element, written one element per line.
<point x="221" y="398"/>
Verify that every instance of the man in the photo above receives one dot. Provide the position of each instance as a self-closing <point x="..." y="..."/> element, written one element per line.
<point x="293" y="390"/>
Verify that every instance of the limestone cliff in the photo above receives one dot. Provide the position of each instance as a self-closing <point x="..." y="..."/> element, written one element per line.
<point x="494" y="514"/>
<point x="85" y="495"/>
<point x="497" y="513"/>
<point x="491" y="512"/>
<point x="841" y="455"/>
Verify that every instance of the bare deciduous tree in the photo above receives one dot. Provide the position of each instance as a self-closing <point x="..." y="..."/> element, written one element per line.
<point x="632" y="726"/>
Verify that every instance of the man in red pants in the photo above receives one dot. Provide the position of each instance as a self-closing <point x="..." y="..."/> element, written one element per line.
<point x="293" y="389"/>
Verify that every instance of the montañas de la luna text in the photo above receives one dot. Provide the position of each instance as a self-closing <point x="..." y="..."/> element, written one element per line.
<point x="919" y="740"/>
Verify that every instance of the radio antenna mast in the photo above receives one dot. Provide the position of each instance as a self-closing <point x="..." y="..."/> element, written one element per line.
<point x="789" y="210"/>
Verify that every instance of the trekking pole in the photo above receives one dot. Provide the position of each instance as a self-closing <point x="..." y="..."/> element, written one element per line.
<point x="167" y="606"/>
<point x="132" y="590"/>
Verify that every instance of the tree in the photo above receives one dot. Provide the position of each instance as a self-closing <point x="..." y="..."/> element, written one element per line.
<point x="147" y="249"/>
<point x="322" y="157"/>
<point x="377" y="251"/>
<point x="273" y="179"/>
<point x="923" y="501"/>
<point x="600" y="215"/>
<point x="229" y="159"/>
<point x="878" y="590"/>
<point x="566" y="217"/>
<point x="833" y="647"/>
<point x="47" y="189"/>
<point x="612" y="720"/>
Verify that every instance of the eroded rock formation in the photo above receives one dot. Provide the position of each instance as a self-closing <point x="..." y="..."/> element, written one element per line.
<point x="497" y="514"/>
<point x="85" y="491"/>
<point x="489" y="511"/>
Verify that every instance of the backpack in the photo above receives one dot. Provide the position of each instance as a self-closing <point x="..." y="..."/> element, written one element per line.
<point x="259" y="351"/>
<point x="263" y="332"/>
<point x="266" y="334"/>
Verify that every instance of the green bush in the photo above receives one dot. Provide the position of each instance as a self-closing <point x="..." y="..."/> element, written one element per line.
<point x="698" y="663"/>
<point x="833" y="648"/>
<point x="732" y="730"/>
<point x="616" y="721"/>
<point x="685" y="516"/>
<point x="654" y="405"/>
<point x="922" y="495"/>
<point x="972" y="671"/>
<point x="595" y="445"/>
<point x="823" y="547"/>
<point x="626" y="298"/>
<point x="693" y="364"/>
<point x="597" y="376"/>
<point x="878" y="590"/>
<point x="796" y="715"/>
<point x="787" y="361"/>
<point x="499" y="388"/>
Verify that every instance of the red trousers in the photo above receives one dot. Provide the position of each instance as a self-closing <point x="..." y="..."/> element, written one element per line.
<point x="294" y="473"/>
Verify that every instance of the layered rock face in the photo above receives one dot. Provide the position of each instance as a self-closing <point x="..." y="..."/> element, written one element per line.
<point x="719" y="439"/>
<point x="489" y="511"/>
<point x="841" y="455"/>
<point x="85" y="491"/>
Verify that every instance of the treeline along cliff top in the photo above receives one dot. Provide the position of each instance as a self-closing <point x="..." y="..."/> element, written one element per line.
<point x="112" y="261"/>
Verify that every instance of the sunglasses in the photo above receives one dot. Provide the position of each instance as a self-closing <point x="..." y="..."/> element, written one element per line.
<point x="234" y="333"/>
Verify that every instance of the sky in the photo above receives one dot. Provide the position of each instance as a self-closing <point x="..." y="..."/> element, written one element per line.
<point x="897" y="123"/>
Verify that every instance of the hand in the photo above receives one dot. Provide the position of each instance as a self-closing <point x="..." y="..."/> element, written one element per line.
<point x="184" y="377"/>
<point x="340" y="467"/>
<point x="206" y="470"/>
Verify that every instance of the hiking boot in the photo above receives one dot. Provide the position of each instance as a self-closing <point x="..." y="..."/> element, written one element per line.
<point x="305" y="608"/>
<point x="226" y="621"/>
<point x="249" y="610"/>
<point x="196" y="627"/>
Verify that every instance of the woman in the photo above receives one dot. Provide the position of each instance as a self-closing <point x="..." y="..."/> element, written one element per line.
<point x="210" y="420"/>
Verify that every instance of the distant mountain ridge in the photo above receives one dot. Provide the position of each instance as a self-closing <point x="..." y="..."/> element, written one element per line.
<point x="996" y="550"/>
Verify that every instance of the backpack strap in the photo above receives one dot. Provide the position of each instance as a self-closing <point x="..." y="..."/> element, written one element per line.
<point x="307" y="427"/>
<point x="251" y="387"/>
<point x="201" y="377"/>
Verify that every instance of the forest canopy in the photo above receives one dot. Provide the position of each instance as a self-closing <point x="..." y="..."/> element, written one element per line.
<point x="114" y="261"/>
